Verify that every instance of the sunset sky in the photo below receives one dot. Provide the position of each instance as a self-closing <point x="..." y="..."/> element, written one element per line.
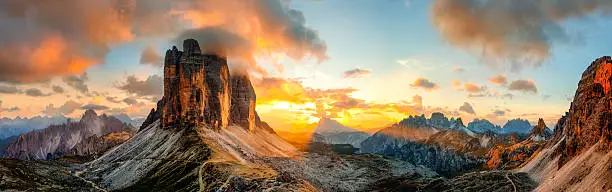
<point x="364" y="63"/>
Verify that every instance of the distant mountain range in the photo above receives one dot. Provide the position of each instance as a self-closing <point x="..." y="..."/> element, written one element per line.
<point x="13" y="127"/>
<point x="18" y="125"/>
<point x="91" y="135"/>
<point x="332" y="132"/>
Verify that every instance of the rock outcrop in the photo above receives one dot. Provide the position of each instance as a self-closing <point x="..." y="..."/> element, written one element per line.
<point x="438" y="120"/>
<point x="243" y="102"/>
<point x="589" y="120"/>
<point x="184" y="87"/>
<point x="540" y="132"/>
<point x="199" y="92"/>
<point x="577" y="158"/>
<point x="219" y="91"/>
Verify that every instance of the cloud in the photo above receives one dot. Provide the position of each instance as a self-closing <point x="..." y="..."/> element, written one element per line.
<point x="499" y="113"/>
<point x="270" y="89"/>
<point x="35" y="92"/>
<point x="94" y="107"/>
<point x="5" y="89"/>
<point x="417" y="100"/>
<point x="527" y="86"/>
<point x="130" y="101"/>
<point x="44" y="39"/>
<point x="467" y="108"/>
<point x="356" y="73"/>
<point x="65" y="109"/>
<point x="152" y="86"/>
<point x="456" y="83"/>
<point x="500" y="80"/>
<point x="473" y="88"/>
<point x="77" y="82"/>
<point x="425" y="84"/>
<point x="8" y="109"/>
<point x="518" y="32"/>
<point x="458" y="69"/>
<point x="57" y="89"/>
<point x="346" y="102"/>
<point x="241" y="30"/>
<point x="113" y="99"/>
<point x="150" y="56"/>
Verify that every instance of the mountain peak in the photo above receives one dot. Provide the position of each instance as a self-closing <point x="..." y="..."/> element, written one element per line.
<point x="89" y="114"/>
<point x="330" y="126"/>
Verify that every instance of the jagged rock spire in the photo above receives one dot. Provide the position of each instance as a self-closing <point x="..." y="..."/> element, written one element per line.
<point x="219" y="91"/>
<point x="184" y="86"/>
<point x="243" y="102"/>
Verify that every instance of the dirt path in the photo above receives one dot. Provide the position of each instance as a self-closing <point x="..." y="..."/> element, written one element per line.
<point x="511" y="182"/>
<point x="88" y="181"/>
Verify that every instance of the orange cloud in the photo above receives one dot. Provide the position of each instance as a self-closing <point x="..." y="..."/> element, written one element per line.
<point x="473" y="88"/>
<point x="500" y="80"/>
<point x="425" y="84"/>
<point x="68" y="36"/>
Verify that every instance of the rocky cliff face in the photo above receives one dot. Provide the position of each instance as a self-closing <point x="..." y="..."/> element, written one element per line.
<point x="589" y="120"/>
<point x="219" y="91"/>
<point x="69" y="138"/>
<point x="243" y="102"/>
<point x="184" y="87"/>
<point x="577" y="158"/>
<point x="540" y="132"/>
<point x="199" y="92"/>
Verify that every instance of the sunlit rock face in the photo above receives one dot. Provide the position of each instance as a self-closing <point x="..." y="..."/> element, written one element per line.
<point x="589" y="119"/>
<point x="218" y="85"/>
<point x="184" y="86"/>
<point x="200" y="92"/>
<point x="243" y="102"/>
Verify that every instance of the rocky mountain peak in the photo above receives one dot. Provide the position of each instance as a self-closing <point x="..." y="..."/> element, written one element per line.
<point x="243" y="99"/>
<point x="457" y="123"/>
<point x="191" y="47"/>
<point x="517" y="125"/>
<point x="438" y="119"/>
<point x="89" y="115"/>
<point x="589" y="120"/>
<point x="199" y="92"/>
<point x="540" y="132"/>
